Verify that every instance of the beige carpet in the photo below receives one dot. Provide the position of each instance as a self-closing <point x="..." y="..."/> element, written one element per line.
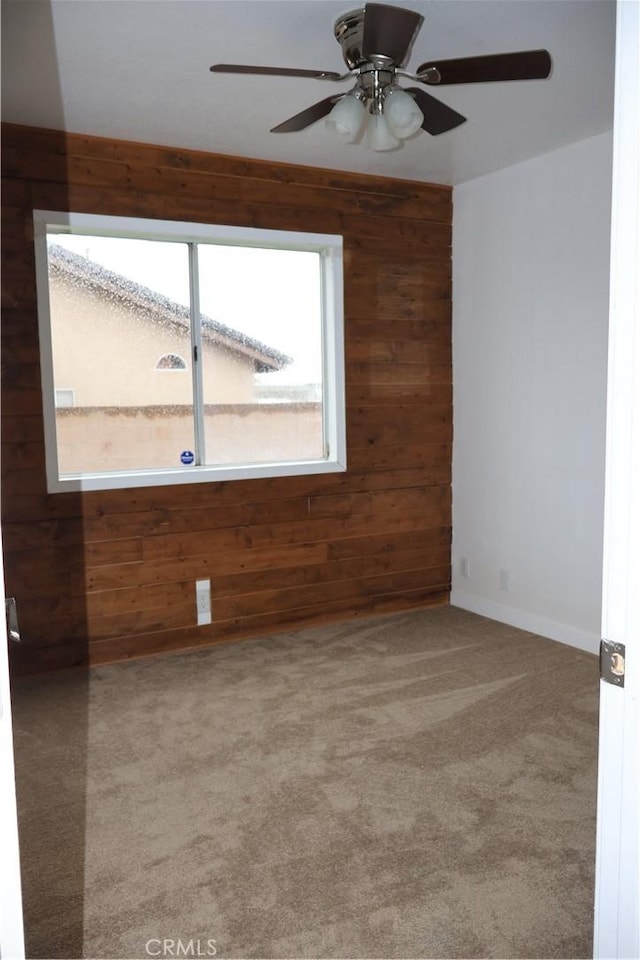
<point x="419" y="785"/>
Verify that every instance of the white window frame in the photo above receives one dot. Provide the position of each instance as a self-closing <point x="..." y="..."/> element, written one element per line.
<point x="329" y="247"/>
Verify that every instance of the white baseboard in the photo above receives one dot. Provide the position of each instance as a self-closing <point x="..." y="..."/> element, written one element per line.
<point x="590" y="642"/>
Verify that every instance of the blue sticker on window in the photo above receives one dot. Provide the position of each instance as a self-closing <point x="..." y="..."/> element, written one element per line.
<point x="187" y="457"/>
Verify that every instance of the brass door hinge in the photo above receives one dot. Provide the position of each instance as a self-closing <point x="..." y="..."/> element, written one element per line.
<point x="612" y="662"/>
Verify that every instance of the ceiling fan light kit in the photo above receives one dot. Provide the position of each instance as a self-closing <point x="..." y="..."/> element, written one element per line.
<point x="402" y="113"/>
<point x="379" y="136"/>
<point x="376" y="43"/>
<point x="348" y="118"/>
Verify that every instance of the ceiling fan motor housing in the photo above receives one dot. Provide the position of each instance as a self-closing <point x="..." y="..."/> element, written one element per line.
<point x="377" y="32"/>
<point x="375" y="53"/>
<point x="348" y="30"/>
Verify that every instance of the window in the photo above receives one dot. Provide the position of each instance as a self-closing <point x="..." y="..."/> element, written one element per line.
<point x="64" y="397"/>
<point x="251" y="319"/>
<point x="171" y="361"/>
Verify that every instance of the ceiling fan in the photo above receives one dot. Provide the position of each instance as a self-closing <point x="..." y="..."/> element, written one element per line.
<point x="376" y="43"/>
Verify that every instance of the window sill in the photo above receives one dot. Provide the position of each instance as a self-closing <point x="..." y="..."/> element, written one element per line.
<point x="205" y="474"/>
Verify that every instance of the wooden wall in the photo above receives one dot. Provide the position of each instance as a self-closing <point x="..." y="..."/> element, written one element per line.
<point x="108" y="575"/>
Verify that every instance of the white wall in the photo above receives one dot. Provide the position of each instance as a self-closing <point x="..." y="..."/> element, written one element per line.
<point x="530" y="314"/>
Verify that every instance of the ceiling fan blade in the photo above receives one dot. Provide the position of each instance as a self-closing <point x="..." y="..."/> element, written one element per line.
<point x="389" y="32"/>
<point x="306" y="117"/>
<point x="438" y="117"/>
<point x="274" y="71"/>
<point x="524" y="65"/>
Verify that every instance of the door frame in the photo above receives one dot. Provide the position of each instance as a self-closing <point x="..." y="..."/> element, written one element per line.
<point x="617" y="892"/>
<point x="11" y="923"/>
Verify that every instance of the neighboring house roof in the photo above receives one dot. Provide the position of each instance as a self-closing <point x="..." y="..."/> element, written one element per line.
<point x="160" y="309"/>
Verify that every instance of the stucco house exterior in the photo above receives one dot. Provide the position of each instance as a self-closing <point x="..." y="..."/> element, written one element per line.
<point x="122" y="368"/>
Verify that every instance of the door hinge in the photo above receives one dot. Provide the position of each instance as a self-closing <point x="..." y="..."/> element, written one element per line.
<point x="612" y="662"/>
<point x="11" y="610"/>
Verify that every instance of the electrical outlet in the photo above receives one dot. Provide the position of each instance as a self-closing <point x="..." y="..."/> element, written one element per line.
<point x="465" y="567"/>
<point x="203" y="601"/>
<point x="503" y="580"/>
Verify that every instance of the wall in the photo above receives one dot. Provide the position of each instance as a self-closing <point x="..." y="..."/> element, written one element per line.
<point x="108" y="575"/>
<point x="91" y="439"/>
<point x="85" y="328"/>
<point x="531" y="273"/>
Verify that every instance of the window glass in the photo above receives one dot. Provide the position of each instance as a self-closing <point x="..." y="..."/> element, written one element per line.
<point x="171" y="361"/>
<point x="263" y="403"/>
<point x="110" y="320"/>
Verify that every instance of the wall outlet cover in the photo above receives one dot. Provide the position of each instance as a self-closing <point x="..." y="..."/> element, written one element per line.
<point x="203" y="601"/>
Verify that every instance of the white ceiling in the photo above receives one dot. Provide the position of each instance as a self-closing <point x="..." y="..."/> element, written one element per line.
<point x="139" y="70"/>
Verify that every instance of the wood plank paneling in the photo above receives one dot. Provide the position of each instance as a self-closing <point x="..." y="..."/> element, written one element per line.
<point x="109" y="575"/>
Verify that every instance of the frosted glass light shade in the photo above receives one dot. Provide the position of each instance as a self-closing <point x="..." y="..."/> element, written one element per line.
<point x="347" y="118"/>
<point x="402" y="114"/>
<point x="379" y="137"/>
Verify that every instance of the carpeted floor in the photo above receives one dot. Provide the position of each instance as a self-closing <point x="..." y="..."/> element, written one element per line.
<point x="418" y="785"/>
